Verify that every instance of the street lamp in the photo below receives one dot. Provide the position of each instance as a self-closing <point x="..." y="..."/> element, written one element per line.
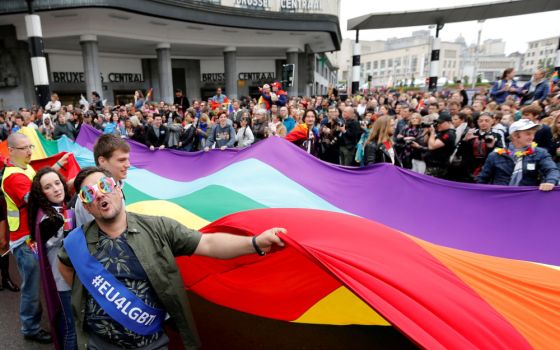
<point x="477" y="52"/>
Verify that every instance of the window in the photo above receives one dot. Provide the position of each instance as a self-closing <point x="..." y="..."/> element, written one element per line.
<point x="414" y="63"/>
<point x="449" y="53"/>
<point x="368" y="66"/>
<point x="390" y="62"/>
<point x="374" y="64"/>
<point x="382" y="64"/>
<point x="454" y="64"/>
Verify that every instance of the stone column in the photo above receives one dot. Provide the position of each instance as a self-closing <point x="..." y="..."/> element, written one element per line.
<point x="292" y="56"/>
<point x="356" y="65"/>
<point x="230" y="72"/>
<point x="38" y="61"/>
<point x="163" y="51"/>
<point x="434" y="60"/>
<point x="92" y="74"/>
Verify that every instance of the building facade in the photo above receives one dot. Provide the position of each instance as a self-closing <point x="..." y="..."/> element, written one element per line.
<point x="163" y="45"/>
<point x="403" y="61"/>
<point x="490" y="63"/>
<point x="400" y="60"/>
<point x="540" y="54"/>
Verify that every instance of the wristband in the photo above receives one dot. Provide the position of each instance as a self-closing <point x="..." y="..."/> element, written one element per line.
<point x="257" y="249"/>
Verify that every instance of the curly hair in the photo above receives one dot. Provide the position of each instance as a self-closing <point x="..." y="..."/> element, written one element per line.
<point x="38" y="200"/>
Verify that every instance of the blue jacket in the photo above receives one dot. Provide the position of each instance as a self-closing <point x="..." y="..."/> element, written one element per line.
<point x="537" y="168"/>
<point x="540" y="93"/>
<point x="498" y="93"/>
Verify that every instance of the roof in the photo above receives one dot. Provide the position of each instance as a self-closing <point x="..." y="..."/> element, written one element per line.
<point x="452" y="14"/>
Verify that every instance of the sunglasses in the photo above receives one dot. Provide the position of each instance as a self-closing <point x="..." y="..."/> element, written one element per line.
<point x="104" y="185"/>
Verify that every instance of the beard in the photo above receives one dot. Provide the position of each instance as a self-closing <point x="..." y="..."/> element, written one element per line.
<point x="112" y="215"/>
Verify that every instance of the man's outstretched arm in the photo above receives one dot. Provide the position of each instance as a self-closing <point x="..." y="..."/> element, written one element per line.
<point x="227" y="246"/>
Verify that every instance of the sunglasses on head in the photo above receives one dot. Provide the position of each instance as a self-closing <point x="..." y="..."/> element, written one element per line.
<point x="104" y="185"/>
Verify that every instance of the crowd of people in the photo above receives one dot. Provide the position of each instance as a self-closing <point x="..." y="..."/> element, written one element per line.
<point x="507" y="135"/>
<point x="443" y="134"/>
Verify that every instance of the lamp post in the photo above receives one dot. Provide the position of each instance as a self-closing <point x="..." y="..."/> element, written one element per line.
<point x="477" y="52"/>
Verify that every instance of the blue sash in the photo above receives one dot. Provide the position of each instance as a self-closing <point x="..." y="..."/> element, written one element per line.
<point x="117" y="300"/>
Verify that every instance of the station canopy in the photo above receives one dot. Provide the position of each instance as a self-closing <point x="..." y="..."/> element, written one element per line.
<point x="452" y="14"/>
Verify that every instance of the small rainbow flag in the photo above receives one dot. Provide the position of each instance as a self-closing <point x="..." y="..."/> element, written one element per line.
<point x="149" y="95"/>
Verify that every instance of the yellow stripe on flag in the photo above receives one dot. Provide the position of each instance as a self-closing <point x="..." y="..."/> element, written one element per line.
<point x="38" y="151"/>
<point x="170" y="210"/>
<point x="342" y="307"/>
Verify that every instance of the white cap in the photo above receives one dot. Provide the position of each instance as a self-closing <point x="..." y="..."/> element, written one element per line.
<point x="522" y="124"/>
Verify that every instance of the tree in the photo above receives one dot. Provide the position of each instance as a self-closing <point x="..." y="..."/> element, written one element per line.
<point x="466" y="80"/>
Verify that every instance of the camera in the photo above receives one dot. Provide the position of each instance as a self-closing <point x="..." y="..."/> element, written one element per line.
<point x="428" y="124"/>
<point x="489" y="138"/>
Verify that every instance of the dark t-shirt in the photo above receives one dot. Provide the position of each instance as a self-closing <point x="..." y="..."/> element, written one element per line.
<point x="440" y="156"/>
<point x="119" y="259"/>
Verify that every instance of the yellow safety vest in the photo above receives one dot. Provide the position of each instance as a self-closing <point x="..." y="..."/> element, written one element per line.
<point x="13" y="210"/>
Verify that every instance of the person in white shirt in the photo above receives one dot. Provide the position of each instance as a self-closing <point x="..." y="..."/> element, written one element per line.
<point x="361" y="109"/>
<point x="53" y="106"/>
<point x="244" y="135"/>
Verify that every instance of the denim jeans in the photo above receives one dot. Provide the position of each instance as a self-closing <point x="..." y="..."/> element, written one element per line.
<point x="66" y="327"/>
<point x="30" y="304"/>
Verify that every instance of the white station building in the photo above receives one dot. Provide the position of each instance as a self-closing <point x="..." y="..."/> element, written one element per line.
<point x="195" y="46"/>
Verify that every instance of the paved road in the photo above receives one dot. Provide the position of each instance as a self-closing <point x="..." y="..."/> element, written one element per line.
<point x="10" y="335"/>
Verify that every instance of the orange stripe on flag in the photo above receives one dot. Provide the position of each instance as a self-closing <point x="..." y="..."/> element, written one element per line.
<point x="525" y="293"/>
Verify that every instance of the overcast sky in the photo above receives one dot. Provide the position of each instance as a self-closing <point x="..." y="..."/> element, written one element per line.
<point x="515" y="31"/>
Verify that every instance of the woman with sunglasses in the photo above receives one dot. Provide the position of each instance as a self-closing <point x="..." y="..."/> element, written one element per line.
<point x="49" y="222"/>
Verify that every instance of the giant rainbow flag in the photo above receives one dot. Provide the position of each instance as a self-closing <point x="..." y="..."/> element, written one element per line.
<point x="450" y="265"/>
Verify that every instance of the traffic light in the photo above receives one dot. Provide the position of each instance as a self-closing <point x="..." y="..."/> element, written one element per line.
<point x="288" y="74"/>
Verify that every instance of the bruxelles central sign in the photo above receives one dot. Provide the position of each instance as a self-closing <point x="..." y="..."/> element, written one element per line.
<point x="79" y="77"/>
<point x="285" y="5"/>
<point x="254" y="76"/>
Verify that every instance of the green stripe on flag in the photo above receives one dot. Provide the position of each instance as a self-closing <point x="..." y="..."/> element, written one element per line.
<point x="214" y="202"/>
<point x="50" y="146"/>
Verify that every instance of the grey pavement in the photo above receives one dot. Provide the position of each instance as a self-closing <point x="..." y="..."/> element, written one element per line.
<point x="10" y="335"/>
